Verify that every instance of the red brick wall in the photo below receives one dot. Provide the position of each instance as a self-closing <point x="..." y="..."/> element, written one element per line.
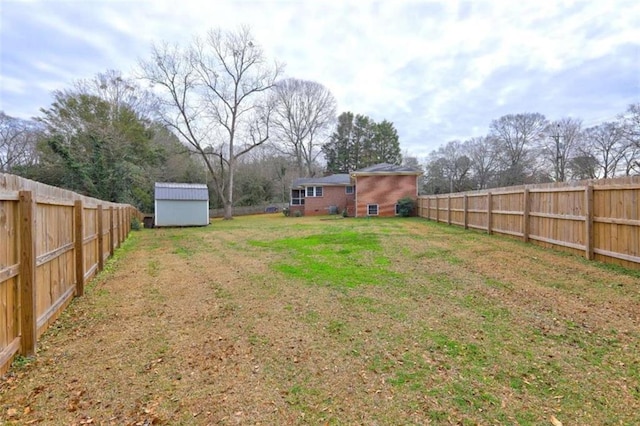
<point x="331" y="196"/>
<point x="384" y="190"/>
<point x="293" y="209"/>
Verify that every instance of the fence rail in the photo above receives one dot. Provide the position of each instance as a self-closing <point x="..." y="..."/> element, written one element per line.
<point x="52" y="241"/>
<point x="598" y="219"/>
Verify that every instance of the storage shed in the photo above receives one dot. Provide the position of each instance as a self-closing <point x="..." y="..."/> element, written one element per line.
<point x="181" y="204"/>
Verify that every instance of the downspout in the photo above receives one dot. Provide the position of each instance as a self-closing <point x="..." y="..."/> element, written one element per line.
<point x="355" y="196"/>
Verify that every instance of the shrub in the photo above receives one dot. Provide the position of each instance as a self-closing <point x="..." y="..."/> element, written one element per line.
<point x="297" y="213"/>
<point x="136" y="225"/>
<point x="406" y="206"/>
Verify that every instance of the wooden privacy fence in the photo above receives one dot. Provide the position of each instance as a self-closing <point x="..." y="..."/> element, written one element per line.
<point x="599" y="219"/>
<point x="52" y="241"/>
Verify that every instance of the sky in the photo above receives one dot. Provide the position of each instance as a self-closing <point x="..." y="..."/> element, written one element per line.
<point x="439" y="70"/>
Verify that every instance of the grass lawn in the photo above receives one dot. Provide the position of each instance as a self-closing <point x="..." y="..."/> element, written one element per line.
<point x="274" y="320"/>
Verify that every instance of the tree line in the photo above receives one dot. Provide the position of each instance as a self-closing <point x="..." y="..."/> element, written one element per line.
<point x="529" y="148"/>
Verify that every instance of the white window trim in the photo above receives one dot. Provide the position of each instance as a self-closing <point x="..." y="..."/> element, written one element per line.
<point x="300" y="198"/>
<point x="377" y="209"/>
<point x="314" y="191"/>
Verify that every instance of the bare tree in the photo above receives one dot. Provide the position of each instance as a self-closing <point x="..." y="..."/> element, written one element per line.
<point x="630" y="124"/>
<point x="411" y="160"/>
<point x="630" y="160"/>
<point x="484" y="155"/>
<point x="606" y="145"/>
<point x="517" y="135"/>
<point x="216" y="99"/>
<point x="630" y="127"/>
<point x="450" y="167"/>
<point x="304" y="112"/>
<point x="558" y="147"/>
<point x="583" y="166"/>
<point x="17" y="142"/>
<point x="118" y="90"/>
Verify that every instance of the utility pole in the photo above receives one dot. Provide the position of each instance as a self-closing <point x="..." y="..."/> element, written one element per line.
<point x="559" y="170"/>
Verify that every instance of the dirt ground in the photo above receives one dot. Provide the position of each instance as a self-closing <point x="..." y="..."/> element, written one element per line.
<point x="195" y="327"/>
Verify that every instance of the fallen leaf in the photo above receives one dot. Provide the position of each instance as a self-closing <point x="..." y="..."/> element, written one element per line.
<point x="12" y="412"/>
<point x="555" y="422"/>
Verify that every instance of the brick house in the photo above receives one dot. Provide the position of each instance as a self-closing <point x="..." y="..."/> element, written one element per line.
<point x="372" y="191"/>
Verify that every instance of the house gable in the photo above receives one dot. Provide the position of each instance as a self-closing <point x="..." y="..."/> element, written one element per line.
<point x="383" y="191"/>
<point x="382" y="185"/>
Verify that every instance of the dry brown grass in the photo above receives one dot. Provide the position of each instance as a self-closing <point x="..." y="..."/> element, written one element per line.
<point x="197" y="326"/>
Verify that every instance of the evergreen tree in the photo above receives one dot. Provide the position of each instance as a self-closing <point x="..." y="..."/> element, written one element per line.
<point x="385" y="146"/>
<point x="337" y="151"/>
<point x="359" y="142"/>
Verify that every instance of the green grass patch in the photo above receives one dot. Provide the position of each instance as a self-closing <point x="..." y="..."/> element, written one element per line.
<point x="338" y="259"/>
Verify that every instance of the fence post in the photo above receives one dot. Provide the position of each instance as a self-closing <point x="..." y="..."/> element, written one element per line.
<point x="111" y="233"/>
<point x="121" y="226"/>
<point x="79" y="246"/>
<point x="123" y="221"/>
<point x="465" y="207"/>
<point x="449" y="210"/>
<point x="28" y="320"/>
<point x="489" y="215"/>
<point x="127" y="222"/>
<point x="437" y="209"/>
<point x="100" y="239"/>
<point x="588" y="225"/>
<point x="118" y="223"/>
<point x="525" y="216"/>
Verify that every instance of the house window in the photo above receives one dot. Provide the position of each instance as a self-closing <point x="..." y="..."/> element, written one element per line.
<point x="297" y="197"/>
<point x="372" y="210"/>
<point x="397" y="209"/>
<point x="349" y="189"/>
<point x="314" y="191"/>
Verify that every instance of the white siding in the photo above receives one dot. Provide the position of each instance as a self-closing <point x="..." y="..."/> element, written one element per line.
<point x="181" y="213"/>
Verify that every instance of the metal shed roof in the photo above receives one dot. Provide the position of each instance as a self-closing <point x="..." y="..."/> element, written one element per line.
<point x="181" y="191"/>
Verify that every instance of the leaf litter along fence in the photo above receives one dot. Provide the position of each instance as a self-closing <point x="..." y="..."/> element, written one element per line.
<point x="599" y="219"/>
<point x="52" y="241"/>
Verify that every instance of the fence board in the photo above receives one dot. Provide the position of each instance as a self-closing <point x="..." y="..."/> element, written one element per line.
<point x="27" y="274"/>
<point x="597" y="219"/>
<point x="90" y="241"/>
<point x="9" y="270"/>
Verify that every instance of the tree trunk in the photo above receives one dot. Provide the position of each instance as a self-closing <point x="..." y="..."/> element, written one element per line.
<point x="228" y="204"/>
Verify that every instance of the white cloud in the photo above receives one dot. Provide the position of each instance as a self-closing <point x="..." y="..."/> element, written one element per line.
<point x="13" y="85"/>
